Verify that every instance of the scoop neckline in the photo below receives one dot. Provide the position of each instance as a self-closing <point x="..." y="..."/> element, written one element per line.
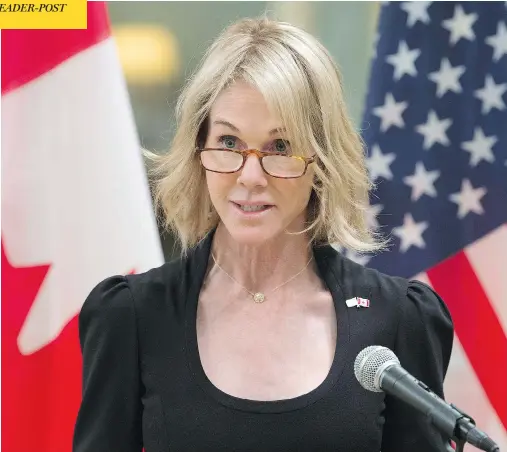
<point x="329" y="277"/>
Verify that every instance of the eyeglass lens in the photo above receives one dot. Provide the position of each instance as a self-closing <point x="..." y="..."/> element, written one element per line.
<point x="275" y="165"/>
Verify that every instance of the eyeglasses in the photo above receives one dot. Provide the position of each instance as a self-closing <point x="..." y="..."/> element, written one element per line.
<point x="220" y="160"/>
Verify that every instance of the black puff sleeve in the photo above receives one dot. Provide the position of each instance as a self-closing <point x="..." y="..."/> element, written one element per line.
<point x="423" y="346"/>
<point x="109" y="417"/>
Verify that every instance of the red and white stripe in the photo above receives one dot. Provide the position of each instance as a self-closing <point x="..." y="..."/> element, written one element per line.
<point x="473" y="283"/>
<point x="74" y="197"/>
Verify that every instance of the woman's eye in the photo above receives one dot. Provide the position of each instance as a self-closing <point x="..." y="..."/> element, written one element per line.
<point x="228" y="141"/>
<point x="281" y="146"/>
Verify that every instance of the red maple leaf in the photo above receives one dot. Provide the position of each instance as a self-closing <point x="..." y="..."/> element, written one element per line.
<point x="41" y="392"/>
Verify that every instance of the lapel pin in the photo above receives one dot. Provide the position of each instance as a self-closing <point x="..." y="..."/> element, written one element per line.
<point x="358" y="302"/>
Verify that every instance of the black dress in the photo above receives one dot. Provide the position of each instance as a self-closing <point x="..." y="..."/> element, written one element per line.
<point x="144" y="385"/>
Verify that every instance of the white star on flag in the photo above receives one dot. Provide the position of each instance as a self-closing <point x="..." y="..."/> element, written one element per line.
<point x="361" y="259"/>
<point x="416" y="11"/>
<point x="460" y="25"/>
<point x="404" y="61"/>
<point x="410" y="233"/>
<point x="491" y="95"/>
<point x="468" y="199"/>
<point x="372" y="214"/>
<point x="480" y="147"/>
<point x="434" y="130"/>
<point x="447" y="77"/>
<point x="498" y="41"/>
<point x="390" y="113"/>
<point x="378" y="164"/>
<point x="422" y="182"/>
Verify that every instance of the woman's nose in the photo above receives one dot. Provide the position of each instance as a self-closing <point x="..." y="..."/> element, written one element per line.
<point x="252" y="174"/>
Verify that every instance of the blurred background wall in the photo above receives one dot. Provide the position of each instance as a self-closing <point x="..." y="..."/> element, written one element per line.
<point x="160" y="44"/>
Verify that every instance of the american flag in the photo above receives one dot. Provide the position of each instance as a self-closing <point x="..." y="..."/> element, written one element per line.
<point x="435" y="126"/>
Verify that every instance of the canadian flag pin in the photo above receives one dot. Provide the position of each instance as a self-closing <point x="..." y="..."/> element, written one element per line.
<point x="358" y="302"/>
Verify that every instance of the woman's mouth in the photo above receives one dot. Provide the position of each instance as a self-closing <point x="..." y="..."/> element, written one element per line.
<point x="252" y="209"/>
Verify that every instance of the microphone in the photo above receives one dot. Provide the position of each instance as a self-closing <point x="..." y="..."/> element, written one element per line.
<point x="378" y="369"/>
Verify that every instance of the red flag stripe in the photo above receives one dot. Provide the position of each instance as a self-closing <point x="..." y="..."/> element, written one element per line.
<point x="477" y="326"/>
<point x="48" y="48"/>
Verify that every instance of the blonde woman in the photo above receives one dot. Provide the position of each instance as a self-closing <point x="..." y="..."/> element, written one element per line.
<point x="245" y="342"/>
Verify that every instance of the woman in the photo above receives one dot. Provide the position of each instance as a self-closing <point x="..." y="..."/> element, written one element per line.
<point x="245" y="342"/>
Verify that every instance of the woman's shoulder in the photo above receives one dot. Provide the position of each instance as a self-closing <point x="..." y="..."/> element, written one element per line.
<point x="407" y="295"/>
<point x="130" y="292"/>
<point x="423" y="322"/>
<point x="159" y="279"/>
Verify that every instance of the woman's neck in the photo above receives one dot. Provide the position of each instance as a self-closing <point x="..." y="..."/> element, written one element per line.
<point x="264" y="267"/>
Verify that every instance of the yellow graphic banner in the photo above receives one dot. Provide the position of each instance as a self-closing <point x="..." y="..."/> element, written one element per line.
<point x="43" y="14"/>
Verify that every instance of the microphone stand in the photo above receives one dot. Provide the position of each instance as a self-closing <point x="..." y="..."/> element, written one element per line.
<point x="460" y="442"/>
<point x="461" y="429"/>
<point x="460" y="446"/>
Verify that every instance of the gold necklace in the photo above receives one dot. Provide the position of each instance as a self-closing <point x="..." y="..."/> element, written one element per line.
<point x="259" y="297"/>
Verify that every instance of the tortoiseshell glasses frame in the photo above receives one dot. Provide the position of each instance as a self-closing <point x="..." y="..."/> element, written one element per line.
<point x="303" y="161"/>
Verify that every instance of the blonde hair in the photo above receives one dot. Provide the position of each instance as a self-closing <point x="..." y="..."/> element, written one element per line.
<point x="302" y="85"/>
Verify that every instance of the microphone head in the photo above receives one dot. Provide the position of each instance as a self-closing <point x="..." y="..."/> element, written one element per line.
<point x="369" y="365"/>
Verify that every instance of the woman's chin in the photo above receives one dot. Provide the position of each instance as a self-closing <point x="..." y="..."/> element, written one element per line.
<point x="251" y="235"/>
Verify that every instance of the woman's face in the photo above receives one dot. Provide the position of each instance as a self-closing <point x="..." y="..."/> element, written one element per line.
<point x="240" y="119"/>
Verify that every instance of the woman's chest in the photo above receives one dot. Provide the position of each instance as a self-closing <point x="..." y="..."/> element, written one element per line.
<point x="260" y="352"/>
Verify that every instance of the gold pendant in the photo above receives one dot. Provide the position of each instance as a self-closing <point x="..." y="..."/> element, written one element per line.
<point x="259" y="297"/>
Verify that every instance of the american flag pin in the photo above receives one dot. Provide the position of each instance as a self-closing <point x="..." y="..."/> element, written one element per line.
<point x="358" y="302"/>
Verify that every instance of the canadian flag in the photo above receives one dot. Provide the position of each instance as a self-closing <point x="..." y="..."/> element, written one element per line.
<point x="76" y="208"/>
